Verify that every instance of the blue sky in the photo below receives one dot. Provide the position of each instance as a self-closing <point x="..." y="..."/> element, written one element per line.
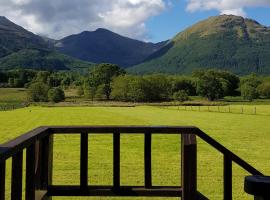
<point x="176" y="18"/>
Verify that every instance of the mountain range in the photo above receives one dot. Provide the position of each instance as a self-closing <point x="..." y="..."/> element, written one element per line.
<point x="224" y="42"/>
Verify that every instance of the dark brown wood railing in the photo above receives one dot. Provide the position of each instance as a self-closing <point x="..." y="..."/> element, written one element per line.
<point x="39" y="164"/>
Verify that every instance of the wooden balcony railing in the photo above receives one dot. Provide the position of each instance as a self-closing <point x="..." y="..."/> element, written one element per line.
<point x="39" y="164"/>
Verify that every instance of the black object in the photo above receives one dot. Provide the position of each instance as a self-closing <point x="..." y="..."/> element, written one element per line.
<point x="259" y="186"/>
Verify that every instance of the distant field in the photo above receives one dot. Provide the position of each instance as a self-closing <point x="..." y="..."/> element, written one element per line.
<point x="246" y="135"/>
<point x="12" y="95"/>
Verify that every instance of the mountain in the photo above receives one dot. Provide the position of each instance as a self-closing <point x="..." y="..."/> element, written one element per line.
<point x="14" y="38"/>
<point x="42" y="59"/>
<point x="104" y="46"/>
<point x="20" y="48"/>
<point x="224" y="42"/>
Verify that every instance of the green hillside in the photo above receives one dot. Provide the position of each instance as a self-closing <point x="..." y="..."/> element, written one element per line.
<point x="224" y="42"/>
<point x="41" y="59"/>
<point x="14" y="38"/>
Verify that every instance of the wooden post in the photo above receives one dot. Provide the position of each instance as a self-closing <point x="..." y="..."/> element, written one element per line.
<point x="255" y="110"/>
<point x="116" y="161"/>
<point x="189" y="167"/>
<point x="16" y="179"/>
<point x="84" y="161"/>
<point x="30" y="172"/>
<point x="2" y="179"/>
<point x="227" y="178"/>
<point x="148" y="159"/>
<point x="44" y="172"/>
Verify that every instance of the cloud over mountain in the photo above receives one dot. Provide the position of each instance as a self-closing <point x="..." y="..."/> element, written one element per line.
<point x="58" y="18"/>
<point x="235" y="7"/>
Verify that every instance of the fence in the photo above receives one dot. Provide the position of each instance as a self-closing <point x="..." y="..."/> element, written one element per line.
<point x="39" y="164"/>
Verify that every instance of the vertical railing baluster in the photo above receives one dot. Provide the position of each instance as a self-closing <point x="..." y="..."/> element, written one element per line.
<point x="84" y="161"/>
<point x="44" y="164"/>
<point x="189" y="167"/>
<point x="116" y="160"/>
<point x="47" y="161"/>
<point x="227" y="178"/>
<point x="148" y="159"/>
<point x="16" y="179"/>
<point x="30" y="172"/>
<point x="2" y="179"/>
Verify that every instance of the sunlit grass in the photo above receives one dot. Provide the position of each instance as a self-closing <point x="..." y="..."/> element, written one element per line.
<point x="245" y="134"/>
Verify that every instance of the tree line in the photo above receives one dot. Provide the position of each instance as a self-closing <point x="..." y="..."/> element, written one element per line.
<point x="110" y="82"/>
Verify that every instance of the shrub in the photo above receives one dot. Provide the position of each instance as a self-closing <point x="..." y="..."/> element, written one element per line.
<point x="38" y="92"/>
<point x="248" y="87"/>
<point x="80" y="91"/>
<point x="181" y="95"/>
<point x="56" y="95"/>
<point x="264" y="89"/>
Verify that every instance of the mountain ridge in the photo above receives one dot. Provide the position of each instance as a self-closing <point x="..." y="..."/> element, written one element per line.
<point x="103" y="45"/>
<point x="225" y="42"/>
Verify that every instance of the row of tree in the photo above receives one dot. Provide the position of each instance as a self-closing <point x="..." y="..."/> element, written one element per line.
<point x="110" y="82"/>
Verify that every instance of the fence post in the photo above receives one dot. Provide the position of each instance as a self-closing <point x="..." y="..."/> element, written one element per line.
<point x="44" y="150"/>
<point x="2" y="179"/>
<point x="189" y="167"/>
<point x="227" y="178"/>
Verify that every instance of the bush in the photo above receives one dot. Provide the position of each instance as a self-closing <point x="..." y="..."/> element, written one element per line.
<point x="181" y="95"/>
<point x="249" y="92"/>
<point x="56" y="95"/>
<point x="38" y="92"/>
<point x="80" y="91"/>
<point x="248" y="87"/>
<point x="264" y="89"/>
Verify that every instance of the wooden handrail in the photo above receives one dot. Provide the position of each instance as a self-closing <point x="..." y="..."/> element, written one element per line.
<point x="39" y="151"/>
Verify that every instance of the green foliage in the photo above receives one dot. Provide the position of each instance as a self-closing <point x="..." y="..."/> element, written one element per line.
<point x="101" y="76"/>
<point x="181" y="96"/>
<point x="56" y="95"/>
<point x="80" y="91"/>
<point x="38" y="92"/>
<point x="141" y="88"/>
<point x="248" y="87"/>
<point x="186" y="84"/>
<point x="42" y="59"/>
<point x="264" y="89"/>
<point x="210" y="86"/>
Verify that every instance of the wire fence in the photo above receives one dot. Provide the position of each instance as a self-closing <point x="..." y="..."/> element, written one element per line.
<point x="245" y="110"/>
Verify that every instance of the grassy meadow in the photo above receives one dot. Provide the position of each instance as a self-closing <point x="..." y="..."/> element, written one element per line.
<point x="245" y="134"/>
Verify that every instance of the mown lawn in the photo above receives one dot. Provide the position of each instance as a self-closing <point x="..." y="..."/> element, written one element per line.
<point x="246" y="135"/>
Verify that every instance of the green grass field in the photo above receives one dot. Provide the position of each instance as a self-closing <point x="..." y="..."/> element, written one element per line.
<point x="246" y="135"/>
<point x="12" y="96"/>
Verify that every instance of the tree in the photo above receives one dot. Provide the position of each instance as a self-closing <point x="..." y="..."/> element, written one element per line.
<point x="264" y="89"/>
<point x="184" y="83"/>
<point x="103" y="74"/>
<point x="157" y="87"/>
<point x="249" y="92"/>
<point x="38" y="92"/>
<point x="56" y="95"/>
<point x="181" y="96"/>
<point x="248" y="87"/>
<point x="230" y="82"/>
<point x="210" y="86"/>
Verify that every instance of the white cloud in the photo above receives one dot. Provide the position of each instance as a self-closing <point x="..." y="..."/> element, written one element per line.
<point x="235" y="7"/>
<point x="58" y="18"/>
